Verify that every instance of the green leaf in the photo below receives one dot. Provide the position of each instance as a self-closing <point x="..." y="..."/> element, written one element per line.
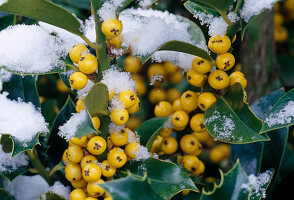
<point x="195" y="8"/>
<point x="222" y="5"/>
<point x="181" y="47"/>
<point x="157" y="171"/>
<point x="85" y="128"/>
<point x="287" y="165"/>
<point x="96" y="101"/>
<point x="149" y="130"/>
<point x="48" y="110"/>
<point x="50" y="196"/>
<point x="7" y="21"/>
<point x="231" y="120"/>
<point x="281" y="115"/>
<point x="286" y="70"/>
<point x="123" y="5"/>
<point x="58" y="69"/>
<point x="46" y="11"/>
<point x="80" y="4"/>
<point x="65" y="78"/>
<point x="4" y="195"/>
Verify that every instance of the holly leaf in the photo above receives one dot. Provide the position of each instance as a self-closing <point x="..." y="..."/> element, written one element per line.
<point x="85" y="128"/>
<point x="231" y="120"/>
<point x="46" y="11"/>
<point x="155" y="171"/>
<point x="218" y="5"/>
<point x="282" y="113"/>
<point x="7" y="21"/>
<point x="50" y="196"/>
<point x="149" y="130"/>
<point x="48" y="110"/>
<point x="195" y="8"/>
<point x="96" y="100"/>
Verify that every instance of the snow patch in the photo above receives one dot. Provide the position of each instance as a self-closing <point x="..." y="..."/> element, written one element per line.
<point x="3" y="2"/>
<point x="142" y="153"/>
<point x="8" y="164"/>
<point x="60" y="189"/>
<point x="109" y="8"/>
<point x="283" y="116"/>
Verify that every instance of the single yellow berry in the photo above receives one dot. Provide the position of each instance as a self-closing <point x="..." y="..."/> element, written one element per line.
<point x="205" y="100"/>
<point x="163" y="109"/>
<point x="80" y="142"/>
<point x="87" y="160"/>
<point x="141" y="88"/>
<point x="91" y="172"/>
<point x="225" y="61"/>
<point x="238" y="77"/>
<point x="218" y="80"/>
<point x="117" y="41"/>
<point x="79" y="184"/>
<point x="196" y="79"/>
<point x="180" y="118"/>
<point x="200" y="170"/>
<point x="190" y="162"/>
<point x="107" y="170"/>
<point x="96" y="122"/>
<point x="96" y="145"/>
<point x="219" y="44"/>
<point x="79" y="106"/>
<point x="74" y="153"/>
<point x="119" y="138"/>
<point x="189" y="101"/>
<point x="133" y="109"/>
<point x="176" y="77"/>
<point x="197" y="122"/>
<point x="78" y="80"/>
<point x="65" y="159"/>
<point x="119" y="117"/>
<point x="94" y="190"/>
<point x="169" y="145"/>
<point x="73" y="172"/>
<point x="280" y="34"/>
<point x="177" y="105"/>
<point x="128" y="98"/>
<point x="156" y="70"/>
<point x="165" y="132"/>
<point x="204" y="138"/>
<point x="134" y="122"/>
<point x="132" y="64"/>
<point x="111" y="28"/>
<point x="117" y="157"/>
<point x="131" y="149"/>
<point x="173" y="94"/>
<point x="201" y="65"/>
<point x="88" y="64"/>
<point x="77" y="52"/>
<point x="169" y="67"/>
<point x="156" y="95"/>
<point x="190" y="145"/>
<point x="61" y="87"/>
<point x="77" y="194"/>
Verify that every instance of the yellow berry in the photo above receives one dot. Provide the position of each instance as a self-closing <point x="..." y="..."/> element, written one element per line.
<point x="180" y="118"/>
<point x="79" y="106"/>
<point x="128" y="98"/>
<point x="77" y="52"/>
<point x="80" y="142"/>
<point x="73" y="172"/>
<point x="96" y="122"/>
<point x="169" y="67"/>
<point x="201" y="65"/>
<point x="117" y="157"/>
<point x="117" y="41"/>
<point x="133" y="109"/>
<point x="77" y="194"/>
<point x="91" y="198"/>
<point x="176" y="77"/>
<point x="190" y="145"/>
<point x="91" y="172"/>
<point x="65" y="159"/>
<point x="156" y="144"/>
<point x="200" y="170"/>
<point x="205" y="100"/>
<point x="94" y="190"/>
<point x="173" y="94"/>
<point x="189" y="101"/>
<point x="185" y="192"/>
<point x="225" y="61"/>
<point x="107" y="170"/>
<point x="204" y="138"/>
<point x="131" y="148"/>
<point x="155" y="70"/>
<point x="280" y="34"/>
<point x="79" y="184"/>
<point x="61" y="87"/>
<point x="96" y="145"/>
<point x="119" y="117"/>
<point x="163" y="109"/>
<point x="88" y="159"/>
<point x="219" y="44"/>
<point x="169" y="145"/>
<point x="177" y="105"/>
<point x="190" y="162"/>
<point x="218" y="80"/>
<point x="197" y="122"/>
<point x="111" y="94"/>
<point x="165" y="132"/>
<point x="134" y="122"/>
<point x="119" y="138"/>
<point x="132" y="64"/>
<point x="196" y="79"/>
<point x="78" y="80"/>
<point x="238" y="77"/>
<point x="140" y="87"/>
<point x="111" y="28"/>
<point x="88" y="64"/>
<point x="156" y="95"/>
<point x="75" y="153"/>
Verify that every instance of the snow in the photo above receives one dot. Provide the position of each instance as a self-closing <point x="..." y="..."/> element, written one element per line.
<point x="132" y="136"/>
<point x="88" y="28"/>
<point x="4" y="77"/>
<point x="253" y="7"/>
<point x="68" y="130"/>
<point x="8" y="164"/>
<point x="257" y="184"/>
<point x="145" y="3"/>
<point x="115" y="104"/>
<point x="60" y="189"/>
<point x="113" y="128"/>
<point x="30" y="49"/>
<point x="224" y="128"/>
<point x="283" y="116"/>
<point x="109" y="8"/>
<point x="27" y="187"/>
<point x="83" y="92"/>
<point x="156" y="77"/>
<point x="3" y="2"/>
<point x="22" y="120"/>
<point x="142" y="153"/>
<point x="168" y="123"/>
